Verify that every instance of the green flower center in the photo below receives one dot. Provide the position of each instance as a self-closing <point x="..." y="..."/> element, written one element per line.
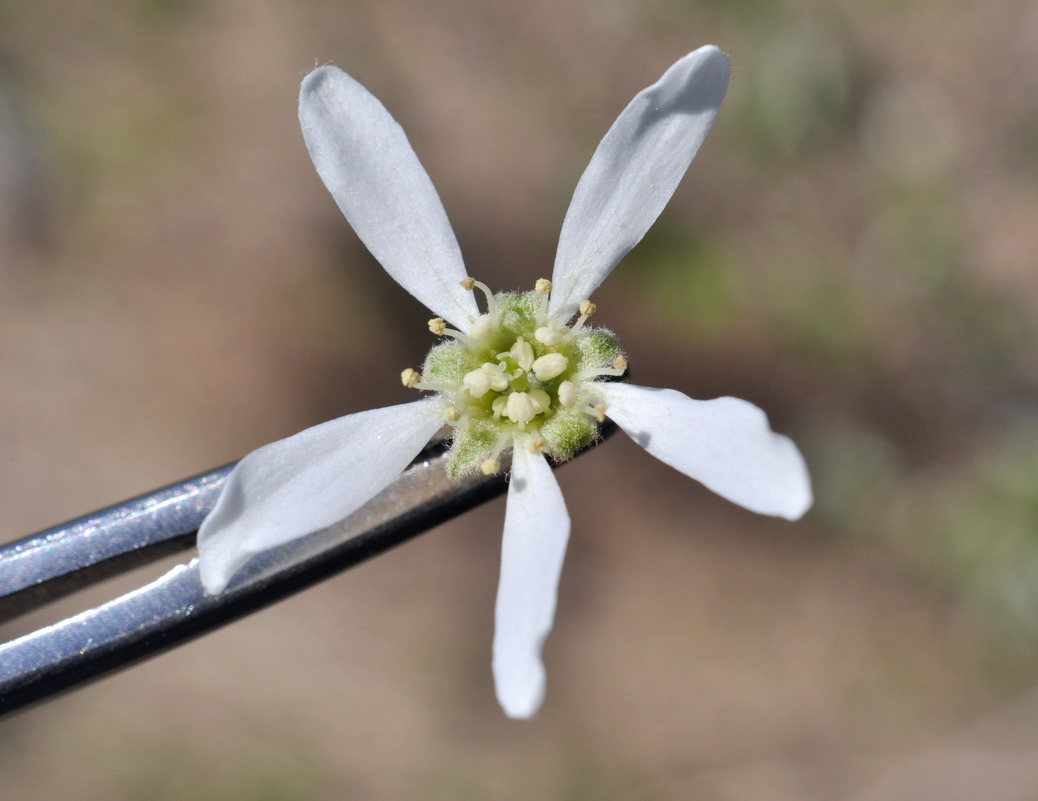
<point x="519" y="378"/>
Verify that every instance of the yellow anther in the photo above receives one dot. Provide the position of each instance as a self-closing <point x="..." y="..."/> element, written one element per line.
<point x="490" y="467"/>
<point x="451" y="415"/>
<point x="587" y="308"/>
<point x="620" y="363"/>
<point x="468" y="283"/>
<point x="543" y="286"/>
<point x="437" y="326"/>
<point x="599" y="412"/>
<point x="410" y="377"/>
<point x="535" y="444"/>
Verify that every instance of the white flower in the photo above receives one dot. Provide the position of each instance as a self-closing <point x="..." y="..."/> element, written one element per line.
<point x="520" y="376"/>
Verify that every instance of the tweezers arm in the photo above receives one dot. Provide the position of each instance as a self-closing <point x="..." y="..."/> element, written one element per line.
<point x="175" y="608"/>
<point x="49" y="565"/>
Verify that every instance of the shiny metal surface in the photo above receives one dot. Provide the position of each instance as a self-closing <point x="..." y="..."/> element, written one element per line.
<point x="174" y="608"/>
<point x="53" y="563"/>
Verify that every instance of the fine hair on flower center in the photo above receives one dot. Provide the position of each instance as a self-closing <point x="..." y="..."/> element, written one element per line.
<point x="519" y="377"/>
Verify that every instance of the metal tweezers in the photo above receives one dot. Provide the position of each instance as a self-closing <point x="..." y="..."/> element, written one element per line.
<point x="174" y="609"/>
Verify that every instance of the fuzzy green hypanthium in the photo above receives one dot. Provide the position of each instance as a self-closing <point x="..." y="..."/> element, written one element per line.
<point x="519" y="374"/>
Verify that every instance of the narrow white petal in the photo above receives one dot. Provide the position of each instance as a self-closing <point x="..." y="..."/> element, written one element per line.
<point x="724" y="443"/>
<point x="309" y="481"/>
<point x="634" y="172"/>
<point x="536" y="532"/>
<point x="365" y="160"/>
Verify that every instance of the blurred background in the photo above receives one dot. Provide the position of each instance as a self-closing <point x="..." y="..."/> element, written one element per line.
<point x="855" y="249"/>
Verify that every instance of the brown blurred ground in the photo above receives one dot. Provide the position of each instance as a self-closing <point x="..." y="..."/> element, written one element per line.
<point x="855" y="249"/>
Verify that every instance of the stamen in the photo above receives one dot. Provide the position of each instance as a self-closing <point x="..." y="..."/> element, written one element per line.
<point x="470" y="283"/>
<point x="535" y="444"/>
<point x="488" y="377"/>
<point x="490" y="467"/>
<point x="410" y="378"/>
<point x="597" y="412"/>
<point x="451" y="415"/>
<point x="543" y="287"/>
<point x="548" y="335"/>
<point x="620" y="363"/>
<point x="464" y="339"/>
<point x="587" y="308"/>
<point x="522" y="407"/>
<point x="597" y="372"/>
<point x="480" y="329"/>
<point x="523" y="353"/>
<point x="568" y="394"/>
<point x="549" y="366"/>
<point x="434" y="386"/>
<point x="438" y="326"/>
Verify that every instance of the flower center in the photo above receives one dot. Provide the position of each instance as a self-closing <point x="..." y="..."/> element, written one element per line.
<point x="519" y="378"/>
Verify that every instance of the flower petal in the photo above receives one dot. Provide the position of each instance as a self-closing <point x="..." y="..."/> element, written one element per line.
<point x="634" y="172"/>
<point x="536" y="532"/>
<point x="309" y="481"/>
<point x="724" y="443"/>
<point x="365" y="160"/>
